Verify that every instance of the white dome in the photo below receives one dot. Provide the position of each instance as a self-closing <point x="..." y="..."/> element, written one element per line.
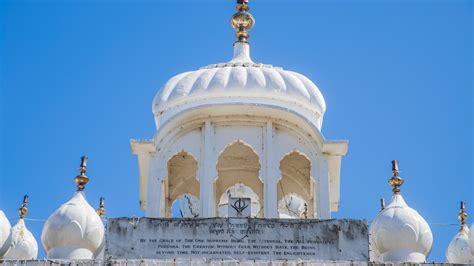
<point x="5" y="236"/>
<point x="458" y="250"/>
<point x="74" y="231"/>
<point x="242" y="81"/>
<point x="23" y="245"/>
<point x="400" y="234"/>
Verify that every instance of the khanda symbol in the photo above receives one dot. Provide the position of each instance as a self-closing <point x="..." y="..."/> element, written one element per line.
<point x="239" y="206"/>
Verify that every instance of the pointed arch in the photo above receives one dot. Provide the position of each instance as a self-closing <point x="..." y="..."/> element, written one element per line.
<point x="181" y="178"/>
<point x="238" y="163"/>
<point x="295" y="179"/>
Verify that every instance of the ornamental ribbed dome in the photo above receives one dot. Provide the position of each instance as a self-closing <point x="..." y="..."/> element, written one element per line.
<point x="400" y="234"/>
<point x="74" y="231"/>
<point x="241" y="81"/>
<point x="23" y="245"/>
<point x="458" y="250"/>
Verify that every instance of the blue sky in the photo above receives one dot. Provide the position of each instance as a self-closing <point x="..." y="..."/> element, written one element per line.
<point x="78" y="77"/>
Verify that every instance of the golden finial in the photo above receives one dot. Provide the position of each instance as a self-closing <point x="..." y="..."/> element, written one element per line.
<point x="23" y="210"/>
<point x="382" y="204"/>
<point x="395" y="181"/>
<point x="81" y="180"/>
<point x="242" y="21"/>
<point x="462" y="216"/>
<point x="101" y="210"/>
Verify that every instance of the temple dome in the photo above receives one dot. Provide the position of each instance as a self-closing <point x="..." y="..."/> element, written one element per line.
<point x="74" y="231"/>
<point x="5" y="236"/>
<point x="458" y="250"/>
<point x="241" y="81"/>
<point x="400" y="234"/>
<point x="23" y="245"/>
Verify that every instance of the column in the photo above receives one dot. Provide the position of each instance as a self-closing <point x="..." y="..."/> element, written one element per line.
<point x="155" y="183"/>
<point x="207" y="172"/>
<point x="322" y="191"/>
<point x="270" y="174"/>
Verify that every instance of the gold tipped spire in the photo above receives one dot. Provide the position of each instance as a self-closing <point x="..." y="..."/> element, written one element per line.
<point x="81" y="180"/>
<point x="395" y="181"/>
<point x="242" y="21"/>
<point x="101" y="210"/>
<point x="23" y="210"/>
<point x="382" y="204"/>
<point x="462" y="216"/>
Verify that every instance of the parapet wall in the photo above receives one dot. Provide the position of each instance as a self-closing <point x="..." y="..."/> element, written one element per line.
<point x="237" y="239"/>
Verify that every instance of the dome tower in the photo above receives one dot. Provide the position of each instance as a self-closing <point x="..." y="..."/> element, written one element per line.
<point x="239" y="123"/>
<point x="399" y="233"/>
<point x="23" y="245"/>
<point x="459" y="251"/>
<point x="75" y="230"/>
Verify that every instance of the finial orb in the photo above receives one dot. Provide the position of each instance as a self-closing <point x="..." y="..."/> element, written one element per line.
<point x="81" y="180"/>
<point x="242" y="19"/>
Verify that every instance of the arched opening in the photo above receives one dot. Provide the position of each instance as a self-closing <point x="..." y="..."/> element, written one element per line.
<point x="292" y="206"/>
<point x="238" y="164"/>
<point x="181" y="179"/>
<point x="239" y="191"/>
<point x="185" y="206"/>
<point x="295" y="187"/>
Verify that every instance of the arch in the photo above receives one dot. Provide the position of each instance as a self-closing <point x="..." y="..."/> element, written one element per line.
<point x="238" y="163"/>
<point x="295" y="170"/>
<point x="181" y="179"/>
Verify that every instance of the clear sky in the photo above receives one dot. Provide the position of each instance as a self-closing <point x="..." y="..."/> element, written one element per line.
<point x="78" y="77"/>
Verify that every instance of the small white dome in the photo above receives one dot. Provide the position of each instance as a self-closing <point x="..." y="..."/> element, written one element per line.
<point x="242" y="81"/>
<point x="458" y="250"/>
<point x="74" y="231"/>
<point x="23" y="245"/>
<point x="5" y="236"/>
<point x="400" y="234"/>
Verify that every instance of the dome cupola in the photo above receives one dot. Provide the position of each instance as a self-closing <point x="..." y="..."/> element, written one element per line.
<point x="23" y="245"/>
<point x="458" y="250"/>
<point x="399" y="233"/>
<point x="75" y="230"/>
<point x="240" y="82"/>
<point x="5" y="236"/>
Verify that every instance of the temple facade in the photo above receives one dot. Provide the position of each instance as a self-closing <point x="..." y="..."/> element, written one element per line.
<point x="237" y="172"/>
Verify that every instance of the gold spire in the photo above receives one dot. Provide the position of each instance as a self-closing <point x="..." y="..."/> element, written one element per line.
<point x="395" y="181"/>
<point x="242" y="21"/>
<point x="23" y="210"/>
<point x="101" y="210"/>
<point x="81" y="180"/>
<point x="382" y="204"/>
<point x="462" y="216"/>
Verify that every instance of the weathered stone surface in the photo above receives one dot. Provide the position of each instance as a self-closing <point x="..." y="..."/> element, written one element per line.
<point x="237" y="238"/>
